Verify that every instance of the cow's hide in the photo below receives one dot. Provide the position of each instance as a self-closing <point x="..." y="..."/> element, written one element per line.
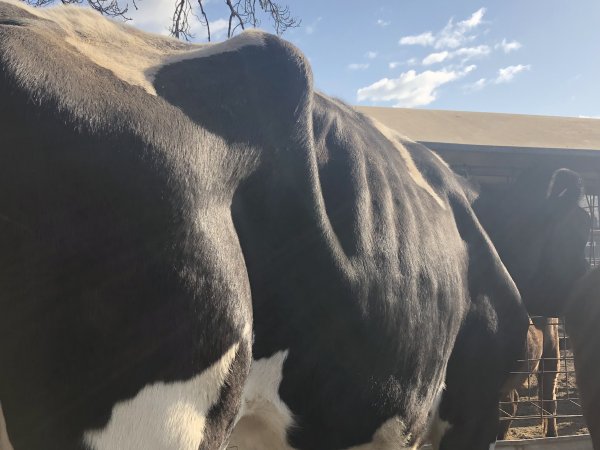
<point x="582" y="315"/>
<point x="170" y="213"/>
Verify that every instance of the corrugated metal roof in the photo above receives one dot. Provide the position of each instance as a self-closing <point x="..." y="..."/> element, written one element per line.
<point x="490" y="129"/>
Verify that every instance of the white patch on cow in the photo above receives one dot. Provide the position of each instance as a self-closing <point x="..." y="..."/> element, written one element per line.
<point x="263" y="419"/>
<point x="437" y="427"/>
<point x="247" y="333"/>
<point x="4" y="441"/>
<point x="396" y="139"/>
<point x="492" y="446"/>
<point x="390" y="436"/>
<point x="164" y="415"/>
<point x="132" y="55"/>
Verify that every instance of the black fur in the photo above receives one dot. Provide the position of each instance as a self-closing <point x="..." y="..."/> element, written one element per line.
<point x="141" y="234"/>
<point x="582" y="314"/>
<point x="540" y="233"/>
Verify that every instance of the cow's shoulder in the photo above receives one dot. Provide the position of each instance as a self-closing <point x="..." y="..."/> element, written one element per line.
<point x="255" y="86"/>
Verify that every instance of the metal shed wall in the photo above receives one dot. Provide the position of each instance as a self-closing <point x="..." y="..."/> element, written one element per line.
<point x="492" y="147"/>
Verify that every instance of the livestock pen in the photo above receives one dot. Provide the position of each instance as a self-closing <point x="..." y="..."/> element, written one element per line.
<point x="493" y="150"/>
<point x="531" y="411"/>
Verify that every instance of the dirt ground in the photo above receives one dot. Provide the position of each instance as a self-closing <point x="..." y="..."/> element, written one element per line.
<point x="568" y="403"/>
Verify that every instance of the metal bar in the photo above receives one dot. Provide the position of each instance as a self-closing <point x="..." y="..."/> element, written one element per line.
<point x="536" y="416"/>
<point x="572" y="399"/>
<point x="593" y="207"/>
<point x="531" y="406"/>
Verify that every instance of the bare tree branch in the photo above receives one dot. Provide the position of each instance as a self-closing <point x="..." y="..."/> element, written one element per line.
<point x="281" y="16"/>
<point x="205" y="20"/>
<point x="40" y="2"/>
<point x="242" y="13"/>
<point x="110" y="8"/>
<point x="179" y="23"/>
<point x="233" y="13"/>
<point x="251" y="7"/>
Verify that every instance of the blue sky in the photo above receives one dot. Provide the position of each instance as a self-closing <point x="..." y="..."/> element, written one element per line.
<point x="526" y="56"/>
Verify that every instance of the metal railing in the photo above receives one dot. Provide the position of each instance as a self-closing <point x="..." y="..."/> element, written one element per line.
<point x="531" y="409"/>
<point x="592" y="205"/>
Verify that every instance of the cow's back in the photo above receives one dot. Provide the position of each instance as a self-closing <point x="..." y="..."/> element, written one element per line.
<point x="161" y="211"/>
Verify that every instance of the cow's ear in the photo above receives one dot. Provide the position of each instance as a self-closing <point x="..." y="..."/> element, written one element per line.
<point x="565" y="190"/>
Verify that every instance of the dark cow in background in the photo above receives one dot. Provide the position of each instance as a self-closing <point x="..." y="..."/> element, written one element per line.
<point x="540" y="232"/>
<point x="198" y="250"/>
<point x="582" y="316"/>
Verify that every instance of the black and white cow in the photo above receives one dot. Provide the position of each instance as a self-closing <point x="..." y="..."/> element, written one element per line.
<point x="199" y="251"/>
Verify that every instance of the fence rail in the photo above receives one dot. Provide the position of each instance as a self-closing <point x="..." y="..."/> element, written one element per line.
<point x="582" y="442"/>
<point x="531" y="409"/>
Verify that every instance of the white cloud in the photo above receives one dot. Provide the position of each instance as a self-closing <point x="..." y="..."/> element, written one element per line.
<point x="410" y="88"/>
<point x="465" y="53"/>
<point x="456" y="34"/>
<point x="358" y="66"/>
<point x="453" y="35"/>
<point x="312" y="27"/>
<point x="371" y="55"/>
<point x="478" y="85"/>
<point x="383" y="23"/>
<point x="507" y="74"/>
<point x="410" y="62"/>
<point x="472" y="52"/>
<point x="218" y="28"/>
<point x="589" y="117"/>
<point x="434" y="58"/>
<point x="475" y="19"/>
<point x="424" y="39"/>
<point x="154" y="16"/>
<point x="508" y="47"/>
